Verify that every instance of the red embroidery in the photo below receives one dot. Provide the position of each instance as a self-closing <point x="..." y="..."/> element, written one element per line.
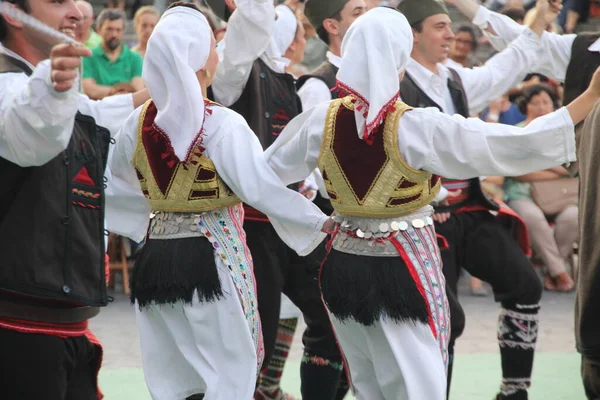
<point x="84" y="178"/>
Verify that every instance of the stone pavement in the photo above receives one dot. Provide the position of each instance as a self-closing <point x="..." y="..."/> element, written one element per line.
<point x="477" y="369"/>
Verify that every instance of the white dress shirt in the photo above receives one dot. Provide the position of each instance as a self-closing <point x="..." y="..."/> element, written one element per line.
<point x="36" y="121"/>
<point x="239" y="161"/>
<point x="441" y="144"/>
<point x="554" y="54"/>
<point x="315" y="91"/>
<point x="248" y="35"/>
<point x="482" y="84"/>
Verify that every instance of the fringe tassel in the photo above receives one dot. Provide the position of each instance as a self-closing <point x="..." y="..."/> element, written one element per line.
<point x="367" y="288"/>
<point x="168" y="271"/>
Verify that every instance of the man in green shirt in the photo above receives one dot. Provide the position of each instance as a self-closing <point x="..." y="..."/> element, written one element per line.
<point x="113" y="68"/>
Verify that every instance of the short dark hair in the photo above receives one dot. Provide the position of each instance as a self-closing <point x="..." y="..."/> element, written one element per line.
<point x="515" y="13"/>
<point x="322" y="32"/>
<point x="110" y="14"/>
<point x="529" y="92"/>
<point x="23" y="5"/>
<point x="417" y="26"/>
<point x="468" y="29"/>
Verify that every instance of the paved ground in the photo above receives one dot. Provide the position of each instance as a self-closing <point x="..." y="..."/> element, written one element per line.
<point x="477" y="371"/>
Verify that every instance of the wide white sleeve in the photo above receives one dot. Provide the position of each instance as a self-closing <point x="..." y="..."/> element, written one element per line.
<point x="553" y="56"/>
<point x="456" y="147"/>
<point x="293" y="156"/>
<point x="313" y="92"/>
<point x="248" y="35"/>
<point x="127" y="209"/>
<point x="36" y="122"/>
<point x="239" y="160"/>
<point x="501" y="72"/>
<point x="110" y="112"/>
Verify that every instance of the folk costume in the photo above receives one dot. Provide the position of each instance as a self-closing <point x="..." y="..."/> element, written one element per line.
<point x="191" y="163"/>
<point x="251" y="78"/>
<point x="492" y="247"/>
<point x="572" y="59"/>
<point x="382" y="280"/>
<point x="53" y="149"/>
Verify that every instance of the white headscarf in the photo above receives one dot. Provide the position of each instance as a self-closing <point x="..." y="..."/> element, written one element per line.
<point x="375" y="50"/>
<point x="178" y="48"/>
<point x="283" y="36"/>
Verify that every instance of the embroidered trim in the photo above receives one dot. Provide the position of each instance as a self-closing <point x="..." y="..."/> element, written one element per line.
<point x="82" y="205"/>
<point x="365" y="104"/>
<point x="322" y="362"/>
<point x="85" y="193"/>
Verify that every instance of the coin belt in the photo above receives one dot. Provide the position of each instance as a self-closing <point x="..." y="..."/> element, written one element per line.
<point x="371" y="236"/>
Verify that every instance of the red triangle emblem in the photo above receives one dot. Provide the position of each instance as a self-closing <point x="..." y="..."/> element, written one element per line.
<point x="84" y="178"/>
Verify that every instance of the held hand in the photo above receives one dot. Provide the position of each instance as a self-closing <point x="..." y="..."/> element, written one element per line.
<point x="546" y="12"/>
<point x="65" y="59"/>
<point x="443" y="217"/>
<point x="328" y="226"/>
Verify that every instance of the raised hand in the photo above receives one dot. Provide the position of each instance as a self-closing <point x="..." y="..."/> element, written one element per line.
<point x="65" y="59"/>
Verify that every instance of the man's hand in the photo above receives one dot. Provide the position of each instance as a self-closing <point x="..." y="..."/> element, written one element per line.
<point x="122" y="88"/>
<point x="546" y="12"/>
<point x="65" y="59"/>
<point x="443" y="217"/>
<point x="328" y="226"/>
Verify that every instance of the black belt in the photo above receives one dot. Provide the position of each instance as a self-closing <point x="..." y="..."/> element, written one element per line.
<point x="46" y="314"/>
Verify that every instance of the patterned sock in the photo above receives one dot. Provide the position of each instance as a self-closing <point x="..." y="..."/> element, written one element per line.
<point x="320" y="377"/>
<point x="270" y="377"/>
<point x="517" y="336"/>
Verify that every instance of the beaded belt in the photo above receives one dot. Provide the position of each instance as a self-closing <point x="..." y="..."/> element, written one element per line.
<point x="372" y="236"/>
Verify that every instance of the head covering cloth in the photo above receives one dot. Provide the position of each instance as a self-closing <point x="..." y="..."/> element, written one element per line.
<point x="375" y="50"/>
<point x="178" y="48"/>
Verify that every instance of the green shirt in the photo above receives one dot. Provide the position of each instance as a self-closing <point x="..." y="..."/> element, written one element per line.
<point x="99" y="67"/>
<point x="93" y="41"/>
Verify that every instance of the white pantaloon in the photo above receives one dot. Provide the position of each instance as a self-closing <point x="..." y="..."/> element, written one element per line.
<point x="199" y="348"/>
<point x="392" y="361"/>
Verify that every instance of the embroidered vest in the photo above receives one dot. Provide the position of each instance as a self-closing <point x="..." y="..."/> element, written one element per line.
<point x="370" y="180"/>
<point x="472" y="192"/>
<point x="192" y="185"/>
<point x="52" y="221"/>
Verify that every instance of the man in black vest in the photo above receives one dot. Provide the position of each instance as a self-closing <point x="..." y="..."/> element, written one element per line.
<point x="477" y="240"/>
<point x="569" y="59"/>
<point x="53" y="153"/>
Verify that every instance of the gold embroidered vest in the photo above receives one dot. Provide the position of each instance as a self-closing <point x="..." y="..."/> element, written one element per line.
<point x="192" y="185"/>
<point x="370" y="180"/>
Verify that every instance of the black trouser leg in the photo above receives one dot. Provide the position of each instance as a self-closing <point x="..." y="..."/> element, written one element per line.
<point x="493" y="255"/>
<point x="34" y="366"/>
<point x="269" y="254"/>
<point x="321" y="367"/>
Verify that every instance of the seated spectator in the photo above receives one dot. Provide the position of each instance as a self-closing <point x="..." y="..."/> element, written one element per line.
<point x="503" y="111"/>
<point x="113" y="68"/>
<point x="462" y="48"/>
<point x="144" y="21"/>
<point x="84" y="33"/>
<point x="553" y="247"/>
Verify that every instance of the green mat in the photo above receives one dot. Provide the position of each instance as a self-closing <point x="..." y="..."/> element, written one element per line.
<point x="476" y="377"/>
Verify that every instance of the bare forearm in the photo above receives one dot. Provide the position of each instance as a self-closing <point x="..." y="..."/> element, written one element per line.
<point x="546" y="175"/>
<point x="95" y="91"/>
<point x="580" y="107"/>
<point x="140" y="98"/>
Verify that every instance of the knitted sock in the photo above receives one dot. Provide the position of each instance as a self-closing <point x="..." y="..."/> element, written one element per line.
<point x="270" y="377"/>
<point x="517" y="336"/>
<point x="320" y="377"/>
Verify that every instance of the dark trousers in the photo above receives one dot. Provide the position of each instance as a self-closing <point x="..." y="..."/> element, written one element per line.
<point x="34" y="366"/>
<point x="479" y="243"/>
<point x="590" y="372"/>
<point x="278" y="269"/>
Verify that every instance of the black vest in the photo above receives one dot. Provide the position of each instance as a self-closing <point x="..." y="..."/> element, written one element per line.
<point x="412" y="95"/>
<point x="582" y="66"/>
<point x="325" y="72"/>
<point x="268" y="103"/>
<point x="52" y="221"/>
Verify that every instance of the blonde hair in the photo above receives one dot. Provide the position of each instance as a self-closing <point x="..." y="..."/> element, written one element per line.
<point x="143" y="11"/>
